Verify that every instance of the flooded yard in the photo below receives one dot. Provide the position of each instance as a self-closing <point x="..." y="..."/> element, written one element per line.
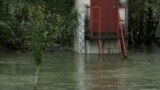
<point x="69" y="71"/>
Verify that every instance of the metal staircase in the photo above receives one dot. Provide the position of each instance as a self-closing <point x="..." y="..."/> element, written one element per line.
<point x="101" y="35"/>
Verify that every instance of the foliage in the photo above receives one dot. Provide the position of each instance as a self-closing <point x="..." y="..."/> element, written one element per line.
<point x="37" y="24"/>
<point x="144" y="16"/>
<point x="60" y="21"/>
<point x="12" y="24"/>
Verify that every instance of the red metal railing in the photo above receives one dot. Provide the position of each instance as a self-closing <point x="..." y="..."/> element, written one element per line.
<point x="99" y="28"/>
<point x="119" y="31"/>
<point x="121" y="35"/>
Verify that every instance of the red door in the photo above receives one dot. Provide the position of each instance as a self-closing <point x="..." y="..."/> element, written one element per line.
<point x="104" y="16"/>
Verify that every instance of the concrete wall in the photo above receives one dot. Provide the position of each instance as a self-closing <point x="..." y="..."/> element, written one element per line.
<point x="110" y="47"/>
<point x="81" y="4"/>
<point x="79" y="33"/>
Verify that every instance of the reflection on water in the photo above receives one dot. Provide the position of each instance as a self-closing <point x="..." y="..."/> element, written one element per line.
<point x="104" y="73"/>
<point x="68" y="71"/>
<point x="80" y="73"/>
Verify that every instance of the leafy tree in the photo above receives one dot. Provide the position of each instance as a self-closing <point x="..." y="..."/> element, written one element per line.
<point x="60" y="22"/>
<point x="144" y="17"/>
<point x="36" y="24"/>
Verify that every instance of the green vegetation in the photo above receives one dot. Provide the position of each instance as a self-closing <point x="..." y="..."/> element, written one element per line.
<point x="144" y="17"/>
<point x="35" y="25"/>
<point x="59" y="22"/>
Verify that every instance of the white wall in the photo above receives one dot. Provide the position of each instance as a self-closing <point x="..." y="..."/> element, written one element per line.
<point x="123" y="1"/>
<point x="122" y="14"/>
<point x="81" y="5"/>
<point x="79" y="43"/>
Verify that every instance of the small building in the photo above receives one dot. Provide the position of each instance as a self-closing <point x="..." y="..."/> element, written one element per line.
<point x="102" y="26"/>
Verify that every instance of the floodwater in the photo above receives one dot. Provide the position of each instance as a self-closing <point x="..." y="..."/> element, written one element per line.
<point x="68" y="71"/>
